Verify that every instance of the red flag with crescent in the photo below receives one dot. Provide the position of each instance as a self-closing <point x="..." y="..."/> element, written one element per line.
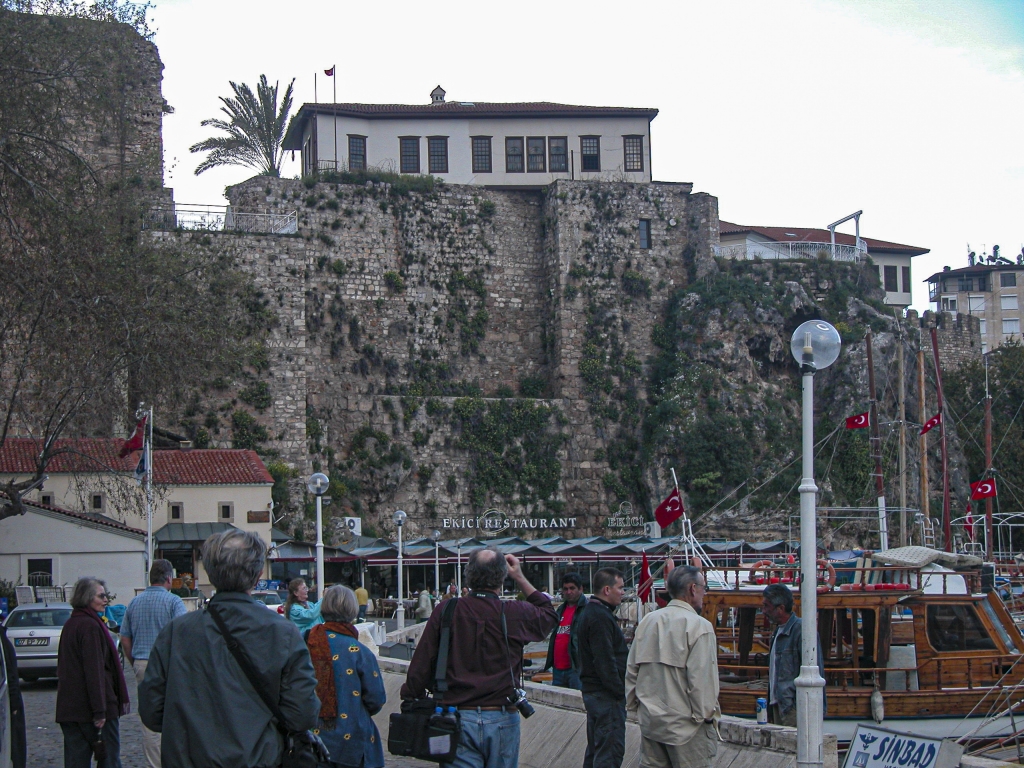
<point x="969" y="524"/>
<point x="670" y="509"/>
<point x="983" y="489"/>
<point x="933" y="422"/>
<point x="859" y="421"/>
<point x="645" y="580"/>
<point x="329" y="72"/>
<point x="137" y="440"/>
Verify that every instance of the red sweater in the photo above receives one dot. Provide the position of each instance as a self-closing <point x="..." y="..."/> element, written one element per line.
<point x="87" y="672"/>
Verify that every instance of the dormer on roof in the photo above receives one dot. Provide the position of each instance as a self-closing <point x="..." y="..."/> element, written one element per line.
<point x="437" y="95"/>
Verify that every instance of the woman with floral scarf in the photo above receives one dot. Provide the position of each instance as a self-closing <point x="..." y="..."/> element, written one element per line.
<point x="349" y="684"/>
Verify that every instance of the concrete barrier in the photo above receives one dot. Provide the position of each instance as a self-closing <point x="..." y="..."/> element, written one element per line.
<point x="556" y="736"/>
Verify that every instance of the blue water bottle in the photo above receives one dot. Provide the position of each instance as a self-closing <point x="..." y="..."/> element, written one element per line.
<point x="762" y="711"/>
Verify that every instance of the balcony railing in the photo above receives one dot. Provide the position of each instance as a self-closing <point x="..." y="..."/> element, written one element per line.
<point x="801" y="250"/>
<point x="221" y="218"/>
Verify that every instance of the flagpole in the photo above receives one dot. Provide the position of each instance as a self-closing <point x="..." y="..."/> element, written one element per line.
<point x="334" y="109"/>
<point x="686" y="545"/>
<point x="148" y="453"/>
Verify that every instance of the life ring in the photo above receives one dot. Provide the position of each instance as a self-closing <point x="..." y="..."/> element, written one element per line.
<point x="752" y="575"/>
<point x="830" y="580"/>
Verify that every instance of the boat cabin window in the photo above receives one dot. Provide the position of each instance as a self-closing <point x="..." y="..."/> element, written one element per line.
<point x="1000" y="629"/>
<point x="953" y="627"/>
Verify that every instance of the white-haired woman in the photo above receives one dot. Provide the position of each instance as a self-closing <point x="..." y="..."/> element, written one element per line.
<point x="349" y="684"/>
<point x="91" y="692"/>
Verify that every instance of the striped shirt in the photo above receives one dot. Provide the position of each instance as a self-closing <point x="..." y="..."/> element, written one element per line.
<point x="147" y="614"/>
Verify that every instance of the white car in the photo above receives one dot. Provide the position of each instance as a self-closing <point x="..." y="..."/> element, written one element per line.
<point x="34" y="630"/>
<point x="5" y="714"/>
<point x="270" y="598"/>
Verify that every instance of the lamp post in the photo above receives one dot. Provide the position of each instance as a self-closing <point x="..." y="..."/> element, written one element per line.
<point x="399" y="518"/>
<point x="436" y="536"/>
<point x="318" y="485"/>
<point x="815" y="346"/>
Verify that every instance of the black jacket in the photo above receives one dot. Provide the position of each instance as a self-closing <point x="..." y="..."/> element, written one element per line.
<point x="574" y="638"/>
<point x="603" y="651"/>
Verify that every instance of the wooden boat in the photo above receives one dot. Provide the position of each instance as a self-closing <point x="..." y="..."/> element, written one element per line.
<point x="945" y="659"/>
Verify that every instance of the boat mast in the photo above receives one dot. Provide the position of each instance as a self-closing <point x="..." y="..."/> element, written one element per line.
<point x="903" y="438"/>
<point x="988" y="466"/>
<point x="922" y="441"/>
<point x="876" y="449"/>
<point x="947" y="532"/>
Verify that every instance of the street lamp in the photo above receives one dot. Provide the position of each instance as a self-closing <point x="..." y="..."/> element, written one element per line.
<point x="436" y="536"/>
<point x="318" y="485"/>
<point x="815" y="346"/>
<point x="399" y="517"/>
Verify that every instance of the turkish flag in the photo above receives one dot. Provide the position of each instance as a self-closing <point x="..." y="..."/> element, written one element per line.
<point x="329" y="72"/>
<point x="969" y="524"/>
<point x="933" y="422"/>
<point x="983" y="489"/>
<point x="670" y="509"/>
<point x="137" y="440"/>
<point x="859" y="421"/>
<point x="645" y="580"/>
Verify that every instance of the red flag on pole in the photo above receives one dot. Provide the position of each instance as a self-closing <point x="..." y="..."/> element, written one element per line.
<point x="859" y="421"/>
<point x="645" y="579"/>
<point x="329" y="72"/>
<point x="983" y="489"/>
<point x="137" y="440"/>
<point x="670" y="509"/>
<point x="969" y="524"/>
<point x="933" y="422"/>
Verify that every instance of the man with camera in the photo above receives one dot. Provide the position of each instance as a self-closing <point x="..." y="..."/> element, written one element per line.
<point x="485" y="661"/>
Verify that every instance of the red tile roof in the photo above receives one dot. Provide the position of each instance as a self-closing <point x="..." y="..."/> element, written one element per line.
<point x="170" y="467"/>
<point x="803" y="234"/>
<point x="97" y="519"/>
<point x="454" y="109"/>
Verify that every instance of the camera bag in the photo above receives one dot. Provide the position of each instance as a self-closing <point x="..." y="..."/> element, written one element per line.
<point x="418" y="731"/>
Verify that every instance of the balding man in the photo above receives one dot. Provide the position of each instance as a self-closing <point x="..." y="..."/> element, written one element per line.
<point x="672" y="678"/>
<point x="485" y="659"/>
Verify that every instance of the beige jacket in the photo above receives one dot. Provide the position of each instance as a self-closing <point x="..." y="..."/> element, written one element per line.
<point x="672" y="674"/>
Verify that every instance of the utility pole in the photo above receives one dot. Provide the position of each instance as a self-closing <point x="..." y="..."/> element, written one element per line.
<point x="922" y="441"/>
<point x="876" y="449"/>
<point x="903" y="439"/>
<point x="988" y="466"/>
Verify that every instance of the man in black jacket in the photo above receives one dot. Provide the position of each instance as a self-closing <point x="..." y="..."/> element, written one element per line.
<point x="603" y="654"/>
<point x="564" y="646"/>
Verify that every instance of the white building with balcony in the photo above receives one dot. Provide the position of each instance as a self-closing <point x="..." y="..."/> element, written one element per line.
<point x="517" y="145"/>
<point x="893" y="260"/>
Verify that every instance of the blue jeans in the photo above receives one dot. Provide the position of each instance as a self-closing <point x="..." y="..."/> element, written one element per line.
<point x="78" y="739"/>
<point x="489" y="740"/>
<point x="606" y="731"/>
<point x="566" y="678"/>
<point x="362" y="613"/>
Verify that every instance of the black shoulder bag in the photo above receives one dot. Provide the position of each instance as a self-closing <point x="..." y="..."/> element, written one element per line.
<point x="302" y="749"/>
<point x="419" y="730"/>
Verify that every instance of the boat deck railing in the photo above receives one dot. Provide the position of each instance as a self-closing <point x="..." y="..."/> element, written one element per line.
<point x="848" y="579"/>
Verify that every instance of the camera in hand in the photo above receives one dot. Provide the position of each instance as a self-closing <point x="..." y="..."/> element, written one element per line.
<point x="518" y="700"/>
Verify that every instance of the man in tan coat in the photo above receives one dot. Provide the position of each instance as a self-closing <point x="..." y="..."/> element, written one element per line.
<point x="672" y="678"/>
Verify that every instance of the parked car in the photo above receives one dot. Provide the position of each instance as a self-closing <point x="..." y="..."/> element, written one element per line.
<point x="270" y="598"/>
<point x="6" y="734"/>
<point x="35" y="629"/>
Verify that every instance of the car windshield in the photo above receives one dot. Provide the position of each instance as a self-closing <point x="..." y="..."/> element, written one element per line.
<point x="39" y="617"/>
<point x="270" y="598"/>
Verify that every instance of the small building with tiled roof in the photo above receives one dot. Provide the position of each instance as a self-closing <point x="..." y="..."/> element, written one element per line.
<point x="524" y="144"/>
<point x="192" y="490"/>
<point x="741" y="241"/>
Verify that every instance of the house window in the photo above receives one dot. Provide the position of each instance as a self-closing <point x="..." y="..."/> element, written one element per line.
<point x="481" y="154"/>
<point x="590" y="153"/>
<point x="46" y="498"/>
<point x="357" y="153"/>
<point x="410" y="154"/>
<point x="981" y="327"/>
<point x="1008" y="302"/>
<point x="225" y="511"/>
<point x="633" y="153"/>
<point x="982" y="283"/>
<point x="437" y="154"/>
<point x="1011" y="326"/>
<point x="890" y="280"/>
<point x="40" y="572"/>
<point x="558" y="154"/>
<point x="948" y="304"/>
<point x="96" y="502"/>
<point x="965" y="284"/>
<point x="1007" y="279"/>
<point x="645" y="233"/>
<point x="513" y="155"/>
<point x="906" y="279"/>
<point x="975" y="303"/>
<point x="535" y="161"/>
<point x="175" y="512"/>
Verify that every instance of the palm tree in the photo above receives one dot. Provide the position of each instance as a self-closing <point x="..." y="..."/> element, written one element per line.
<point x="255" y="129"/>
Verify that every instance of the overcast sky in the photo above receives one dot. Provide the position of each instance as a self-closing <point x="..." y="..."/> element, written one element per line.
<point x="792" y="113"/>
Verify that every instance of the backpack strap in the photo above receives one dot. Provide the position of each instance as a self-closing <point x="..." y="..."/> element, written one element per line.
<point x="441" y="669"/>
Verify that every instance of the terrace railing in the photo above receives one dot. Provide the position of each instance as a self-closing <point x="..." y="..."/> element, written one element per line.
<point x="801" y="250"/>
<point x="221" y="218"/>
